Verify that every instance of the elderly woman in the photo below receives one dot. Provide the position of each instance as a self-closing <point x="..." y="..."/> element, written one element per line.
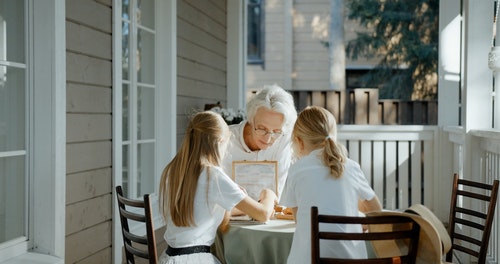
<point x="265" y="135"/>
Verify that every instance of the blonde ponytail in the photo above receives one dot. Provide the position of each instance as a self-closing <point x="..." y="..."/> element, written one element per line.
<point x="334" y="156"/>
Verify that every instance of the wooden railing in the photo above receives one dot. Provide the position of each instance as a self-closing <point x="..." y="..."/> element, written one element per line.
<point x="362" y="106"/>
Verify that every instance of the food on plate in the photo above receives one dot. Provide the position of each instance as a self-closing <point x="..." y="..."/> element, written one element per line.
<point x="282" y="212"/>
<point x="287" y="211"/>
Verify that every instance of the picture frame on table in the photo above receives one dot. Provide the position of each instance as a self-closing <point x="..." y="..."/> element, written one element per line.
<point x="253" y="176"/>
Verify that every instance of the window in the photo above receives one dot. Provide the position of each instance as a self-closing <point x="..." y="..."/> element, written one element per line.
<point x="138" y="97"/>
<point x="255" y="31"/>
<point x="32" y="146"/>
<point x="144" y="109"/>
<point x="14" y="110"/>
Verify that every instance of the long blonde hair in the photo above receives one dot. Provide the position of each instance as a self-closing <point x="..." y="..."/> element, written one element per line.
<point x="200" y="150"/>
<point x="317" y="127"/>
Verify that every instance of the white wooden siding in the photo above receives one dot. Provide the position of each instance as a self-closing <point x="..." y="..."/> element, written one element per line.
<point x="88" y="98"/>
<point x="201" y="58"/>
<point x="92" y="13"/>
<point x="83" y="245"/>
<point x="274" y="70"/>
<point x="85" y="127"/>
<point x="86" y="214"/>
<point x="89" y="131"/>
<point x="310" y="57"/>
<point x="92" y="183"/>
<point x="88" y="70"/>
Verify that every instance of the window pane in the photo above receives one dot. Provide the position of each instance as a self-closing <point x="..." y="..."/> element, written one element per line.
<point x="125" y="112"/>
<point x="12" y="46"/>
<point x="145" y="113"/>
<point x="125" y="50"/>
<point x="125" y="170"/>
<point x="12" y="109"/>
<point x="146" y="13"/>
<point x="145" y="168"/>
<point x="125" y="9"/>
<point x="254" y="47"/>
<point x="145" y="57"/>
<point x="12" y="198"/>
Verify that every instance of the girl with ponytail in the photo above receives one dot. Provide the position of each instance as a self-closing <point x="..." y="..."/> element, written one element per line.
<point x="325" y="177"/>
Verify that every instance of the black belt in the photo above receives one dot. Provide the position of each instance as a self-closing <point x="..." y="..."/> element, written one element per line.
<point x="187" y="250"/>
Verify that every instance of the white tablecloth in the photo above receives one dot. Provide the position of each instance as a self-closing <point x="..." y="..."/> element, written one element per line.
<point x="255" y="243"/>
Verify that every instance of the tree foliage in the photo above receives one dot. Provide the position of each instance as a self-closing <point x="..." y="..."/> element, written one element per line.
<point x="405" y="36"/>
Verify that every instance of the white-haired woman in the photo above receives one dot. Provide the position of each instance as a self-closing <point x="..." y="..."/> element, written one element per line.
<point x="265" y="134"/>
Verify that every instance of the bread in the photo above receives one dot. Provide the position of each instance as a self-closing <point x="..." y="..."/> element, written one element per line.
<point x="288" y="211"/>
<point x="282" y="212"/>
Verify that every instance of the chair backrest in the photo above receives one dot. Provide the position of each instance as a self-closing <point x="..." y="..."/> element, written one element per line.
<point x="402" y="229"/>
<point x="472" y="207"/>
<point x="143" y="246"/>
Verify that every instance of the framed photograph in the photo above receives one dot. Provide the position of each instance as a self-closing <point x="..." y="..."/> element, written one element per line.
<point x="256" y="175"/>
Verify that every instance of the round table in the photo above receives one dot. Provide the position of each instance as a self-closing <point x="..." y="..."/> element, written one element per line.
<point x="251" y="242"/>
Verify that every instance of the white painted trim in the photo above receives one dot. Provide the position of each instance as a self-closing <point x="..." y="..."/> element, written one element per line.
<point x="477" y="81"/>
<point x="34" y="258"/>
<point x="166" y="121"/>
<point x="58" y="197"/>
<point x="117" y="239"/>
<point x="449" y="62"/>
<point x="236" y="54"/>
<point x="49" y="153"/>
<point x="496" y="94"/>
<point x="12" y="153"/>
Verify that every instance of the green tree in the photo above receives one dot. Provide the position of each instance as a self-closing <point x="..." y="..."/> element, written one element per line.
<point x="405" y="36"/>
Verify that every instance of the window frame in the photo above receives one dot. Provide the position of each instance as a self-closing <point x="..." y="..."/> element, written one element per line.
<point x="45" y="241"/>
<point x="134" y="85"/>
<point x="165" y="103"/>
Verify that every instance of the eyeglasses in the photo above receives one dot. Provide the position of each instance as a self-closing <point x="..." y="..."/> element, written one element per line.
<point x="262" y="132"/>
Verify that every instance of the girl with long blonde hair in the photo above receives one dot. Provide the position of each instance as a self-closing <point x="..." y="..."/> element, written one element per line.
<point x="195" y="193"/>
<point x="325" y="177"/>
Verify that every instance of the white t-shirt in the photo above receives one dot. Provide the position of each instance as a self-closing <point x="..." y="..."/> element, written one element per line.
<point x="280" y="151"/>
<point x="310" y="184"/>
<point x="209" y="207"/>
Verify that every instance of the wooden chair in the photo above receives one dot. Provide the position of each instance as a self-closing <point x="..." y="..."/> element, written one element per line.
<point x="407" y="229"/>
<point x="138" y="211"/>
<point x="467" y="199"/>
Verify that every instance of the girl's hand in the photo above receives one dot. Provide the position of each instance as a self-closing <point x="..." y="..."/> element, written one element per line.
<point x="224" y="226"/>
<point x="266" y="194"/>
